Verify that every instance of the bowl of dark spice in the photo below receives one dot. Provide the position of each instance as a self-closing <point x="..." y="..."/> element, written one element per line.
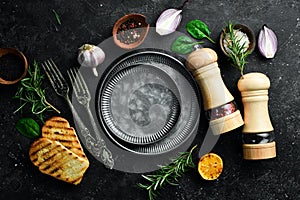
<point x="242" y="34"/>
<point x="13" y="66"/>
<point x="130" y="31"/>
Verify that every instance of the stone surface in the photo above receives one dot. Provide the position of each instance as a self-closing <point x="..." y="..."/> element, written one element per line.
<point x="31" y="27"/>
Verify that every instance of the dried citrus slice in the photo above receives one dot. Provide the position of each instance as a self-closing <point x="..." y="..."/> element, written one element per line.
<point x="210" y="166"/>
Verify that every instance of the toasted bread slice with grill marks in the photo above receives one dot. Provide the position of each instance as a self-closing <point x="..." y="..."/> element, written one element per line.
<point x="58" y="129"/>
<point x="52" y="158"/>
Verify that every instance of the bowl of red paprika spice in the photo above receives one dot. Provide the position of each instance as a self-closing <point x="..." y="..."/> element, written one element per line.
<point x="130" y="31"/>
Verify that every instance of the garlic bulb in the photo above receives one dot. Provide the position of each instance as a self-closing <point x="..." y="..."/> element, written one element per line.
<point x="90" y="56"/>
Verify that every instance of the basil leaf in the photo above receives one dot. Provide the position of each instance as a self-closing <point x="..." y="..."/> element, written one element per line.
<point x="198" y="29"/>
<point x="28" y="127"/>
<point x="183" y="45"/>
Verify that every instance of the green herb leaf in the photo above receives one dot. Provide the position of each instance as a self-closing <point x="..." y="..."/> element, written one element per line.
<point x="199" y="30"/>
<point x="28" y="127"/>
<point x="183" y="45"/>
<point x="236" y="49"/>
<point x="56" y="17"/>
<point x="30" y="92"/>
<point x="168" y="174"/>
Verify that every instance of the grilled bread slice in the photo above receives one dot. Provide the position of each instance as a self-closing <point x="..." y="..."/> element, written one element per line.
<point x="58" y="129"/>
<point x="52" y="158"/>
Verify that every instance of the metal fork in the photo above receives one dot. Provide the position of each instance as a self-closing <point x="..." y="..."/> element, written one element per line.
<point x="83" y="96"/>
<point x="61" y="87"/>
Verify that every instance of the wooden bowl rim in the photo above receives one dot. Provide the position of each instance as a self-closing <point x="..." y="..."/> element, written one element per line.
<point x="125" y="18"/>
<point x="245" y="29"/>
<point x="4" y="51"/>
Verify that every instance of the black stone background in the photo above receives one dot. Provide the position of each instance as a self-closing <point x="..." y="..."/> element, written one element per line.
<point x="30" y="26"/>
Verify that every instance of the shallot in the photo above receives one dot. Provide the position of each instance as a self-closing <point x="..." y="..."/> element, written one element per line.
<point x="267" y="42"/>
<point x="169" y="20"/>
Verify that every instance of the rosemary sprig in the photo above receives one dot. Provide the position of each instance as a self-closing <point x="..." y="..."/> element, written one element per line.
<point x="168" y="174"/>
<point x="30" y="92"/>
<point x="237" y="51"/>
<point x="56" y="17"/>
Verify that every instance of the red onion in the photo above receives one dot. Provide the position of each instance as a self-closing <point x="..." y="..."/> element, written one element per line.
<point x="168" y="21"/>
<point x="267" y="42"/>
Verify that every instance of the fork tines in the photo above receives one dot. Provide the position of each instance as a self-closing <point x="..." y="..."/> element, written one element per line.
<point x="56" y="78"/>
<point x="77" y="81"/>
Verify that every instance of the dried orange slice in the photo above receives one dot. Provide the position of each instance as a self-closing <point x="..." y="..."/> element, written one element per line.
<point x="210" y="166"/>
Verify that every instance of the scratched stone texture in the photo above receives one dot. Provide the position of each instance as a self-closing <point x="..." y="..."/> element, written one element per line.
<point x="31" y="27"/>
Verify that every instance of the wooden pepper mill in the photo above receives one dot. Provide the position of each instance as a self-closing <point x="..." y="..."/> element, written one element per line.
<point x="218" y="103"/>
<point x="258" y="135"/>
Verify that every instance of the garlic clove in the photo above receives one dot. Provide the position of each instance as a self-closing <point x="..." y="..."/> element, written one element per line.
<point x="90" y="56"/>
<point x="168" y="21"/>
<point x="267" y="42"/>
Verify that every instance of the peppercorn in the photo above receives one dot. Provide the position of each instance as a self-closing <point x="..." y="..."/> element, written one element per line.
<point x="129" y="31"/>
<point x="221" y="111"/>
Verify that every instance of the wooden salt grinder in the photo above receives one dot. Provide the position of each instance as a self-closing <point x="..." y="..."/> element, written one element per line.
<point x="216" y="97"/>
<point x="258" y="136"/>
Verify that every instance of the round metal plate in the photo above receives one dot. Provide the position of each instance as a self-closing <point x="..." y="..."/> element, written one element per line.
<point x="154" y="72"/>
<point x="138" y="105"/>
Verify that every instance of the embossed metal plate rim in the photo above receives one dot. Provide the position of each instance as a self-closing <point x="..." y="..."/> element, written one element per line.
<point x="107" y="115"/>
<point x="188" y="86"/>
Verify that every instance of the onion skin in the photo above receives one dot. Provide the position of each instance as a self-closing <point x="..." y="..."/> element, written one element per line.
<point x="267" y="42"/>
<point x="168" y="21"/>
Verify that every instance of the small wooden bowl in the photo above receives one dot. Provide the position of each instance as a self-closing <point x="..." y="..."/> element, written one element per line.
<point x="143" y="29"/>
<point x="4" y="51"/>
<point x="242" y="28"/>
